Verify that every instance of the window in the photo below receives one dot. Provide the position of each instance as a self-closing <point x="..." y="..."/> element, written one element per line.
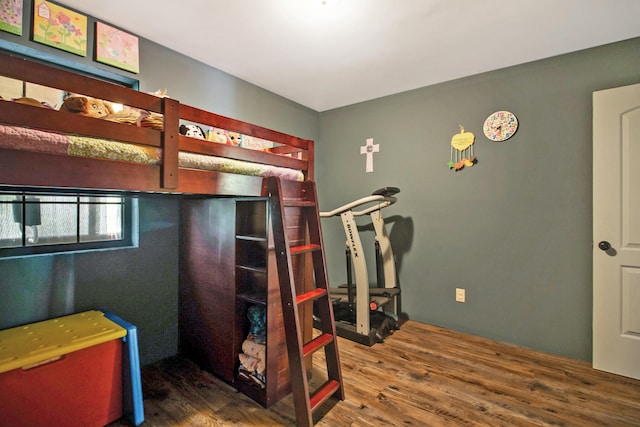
<point x="50" y="222"/>
<point x="11" y="88"/>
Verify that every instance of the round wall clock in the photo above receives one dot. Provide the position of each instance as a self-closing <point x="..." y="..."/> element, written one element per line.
<point x="500" y="126"/>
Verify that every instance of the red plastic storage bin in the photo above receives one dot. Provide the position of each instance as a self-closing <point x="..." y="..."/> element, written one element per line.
<point x="62" y="372"/>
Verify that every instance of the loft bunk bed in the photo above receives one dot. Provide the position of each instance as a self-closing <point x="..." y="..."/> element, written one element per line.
<point x="43" y="147"/>
<point x="227" y="260"/>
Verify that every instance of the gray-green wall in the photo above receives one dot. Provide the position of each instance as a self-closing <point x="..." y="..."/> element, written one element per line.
<point x="515" y="230"/>
<point x="140" y="285"/>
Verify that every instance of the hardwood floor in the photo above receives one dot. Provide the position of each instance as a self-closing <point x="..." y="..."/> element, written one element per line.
<point x="420" y="376"/>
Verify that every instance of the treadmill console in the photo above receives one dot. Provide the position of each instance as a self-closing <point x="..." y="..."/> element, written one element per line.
<point x="386" y="191"/>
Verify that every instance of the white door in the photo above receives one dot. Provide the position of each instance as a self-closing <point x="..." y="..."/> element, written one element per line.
<point x="616" y="230"/>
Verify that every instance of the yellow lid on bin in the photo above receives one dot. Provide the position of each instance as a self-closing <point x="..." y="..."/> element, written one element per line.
<point x="36" y="343"/>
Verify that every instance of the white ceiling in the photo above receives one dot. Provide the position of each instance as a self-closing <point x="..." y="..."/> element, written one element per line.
<point x="326" y="54"/>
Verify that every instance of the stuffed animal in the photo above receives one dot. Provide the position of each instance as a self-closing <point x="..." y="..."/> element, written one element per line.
<point x="258" y="323"/>
<point x="218" y="135"/>
<point x="86" y="106"/>
<point x="193" y="131"/>
<point x="235" y="137"/>
<point x="253" y="143"/>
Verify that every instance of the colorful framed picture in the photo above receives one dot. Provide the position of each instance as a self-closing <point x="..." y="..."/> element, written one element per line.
<point x="11" y="16"/>
<point x="117" y="48"/>
<point x="59" y="27"/>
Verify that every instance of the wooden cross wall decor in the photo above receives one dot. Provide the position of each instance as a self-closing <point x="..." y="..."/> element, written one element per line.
<point x="369" y="149"/>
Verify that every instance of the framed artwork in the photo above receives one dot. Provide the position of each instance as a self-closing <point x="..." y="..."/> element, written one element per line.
<point x="117" y="48"/>
<point x="11" y="16"/>
<point x="56" y="26"/>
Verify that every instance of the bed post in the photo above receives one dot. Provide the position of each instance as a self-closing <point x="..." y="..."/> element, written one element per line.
<point x="310" y="176"/>
<point x="170" y="110"/>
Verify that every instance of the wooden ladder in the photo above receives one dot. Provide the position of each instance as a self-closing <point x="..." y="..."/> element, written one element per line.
<point x="299" y="199"/>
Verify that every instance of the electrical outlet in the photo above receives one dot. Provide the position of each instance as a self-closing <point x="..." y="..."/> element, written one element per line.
<point x="460" y="295"/>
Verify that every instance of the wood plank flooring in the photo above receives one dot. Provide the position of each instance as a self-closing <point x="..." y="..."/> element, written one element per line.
<point x="420" y="376"/>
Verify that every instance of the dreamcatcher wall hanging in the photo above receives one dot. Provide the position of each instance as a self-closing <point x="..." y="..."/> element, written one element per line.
<point x="462" y="150"/>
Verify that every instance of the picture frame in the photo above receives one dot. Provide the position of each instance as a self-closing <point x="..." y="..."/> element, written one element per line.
<point x="59" y="27"/>
<point x="11" y="16"/>
<point x="116" y="48"/>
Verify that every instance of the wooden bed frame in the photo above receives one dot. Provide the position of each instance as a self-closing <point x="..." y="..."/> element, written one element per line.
<point x="212" y="327"/>
<point x="29" y="169"/>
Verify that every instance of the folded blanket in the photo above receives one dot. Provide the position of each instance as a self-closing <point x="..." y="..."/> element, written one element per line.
<point x="83" y="146"/>
<point x="221" y="164"/>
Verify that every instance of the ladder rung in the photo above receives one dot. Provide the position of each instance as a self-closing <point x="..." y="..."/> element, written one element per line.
<point x="297" y="250"/>
<point x="298" y="203"/>
<point x="323" y="393"/>
<point x="311" y="295"/>
<point x="316" y="344"/>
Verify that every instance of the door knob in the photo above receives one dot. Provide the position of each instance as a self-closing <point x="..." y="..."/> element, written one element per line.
<point x="604" y="245"/>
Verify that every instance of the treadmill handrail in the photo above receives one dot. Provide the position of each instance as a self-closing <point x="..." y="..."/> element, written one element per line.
<point x="386" y="201"/>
